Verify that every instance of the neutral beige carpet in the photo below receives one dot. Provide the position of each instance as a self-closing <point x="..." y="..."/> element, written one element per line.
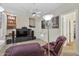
<point x="69" y="50"/>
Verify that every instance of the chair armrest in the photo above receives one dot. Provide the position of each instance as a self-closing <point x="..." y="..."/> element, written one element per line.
<point x="53" y="52"/>
<point x="46" y="46"/>
<point x="51" y="49"/>
<point x="52" y="43"/>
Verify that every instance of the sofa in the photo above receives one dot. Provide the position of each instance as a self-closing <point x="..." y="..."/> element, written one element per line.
<point x="24" y="34"/>
<point x="31" y="49"/>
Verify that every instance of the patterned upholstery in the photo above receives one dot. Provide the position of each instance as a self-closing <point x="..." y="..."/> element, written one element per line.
<point x="55" y="46"/>
<point x="60" y="38"/>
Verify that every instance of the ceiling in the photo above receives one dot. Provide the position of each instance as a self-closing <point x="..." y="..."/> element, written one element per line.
<point x="28" y="8"/>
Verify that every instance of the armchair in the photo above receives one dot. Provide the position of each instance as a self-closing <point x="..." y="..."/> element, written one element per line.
<point x="60" y="38"/>
<point x="55" y="47"/>
<point x="56" y="50"/>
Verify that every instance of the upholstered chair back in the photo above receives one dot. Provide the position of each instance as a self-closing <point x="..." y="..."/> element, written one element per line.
<point x="58" y="47"/>
<point x="60" y="38"/>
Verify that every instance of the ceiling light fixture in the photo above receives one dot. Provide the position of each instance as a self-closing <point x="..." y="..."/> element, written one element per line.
<point x="47" y="17"/>
<point x="35" y="11"/>
<point x="1" y="9"/>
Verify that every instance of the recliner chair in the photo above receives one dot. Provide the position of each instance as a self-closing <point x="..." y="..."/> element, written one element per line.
<point x="60" y="38"/>
<point x="56" y="51"/>
<point x="55" y="47"/>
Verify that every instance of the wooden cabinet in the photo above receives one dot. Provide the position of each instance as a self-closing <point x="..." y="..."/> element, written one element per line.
<point x="11" y="22"/>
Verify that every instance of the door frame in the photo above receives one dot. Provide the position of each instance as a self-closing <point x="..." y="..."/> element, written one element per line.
<point x="68" y="31"/>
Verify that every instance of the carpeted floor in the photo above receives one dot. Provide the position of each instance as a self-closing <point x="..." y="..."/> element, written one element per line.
<point x="69" y="50"/>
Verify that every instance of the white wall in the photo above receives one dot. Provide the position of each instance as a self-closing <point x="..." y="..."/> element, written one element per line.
<point x="53" y="33"/>
<point x="2" y="32"/>
<point x="2" y="29"/>
<point x="66" y="8"/>
<point x="22" y="20"/>
<point x="77" y="32"/>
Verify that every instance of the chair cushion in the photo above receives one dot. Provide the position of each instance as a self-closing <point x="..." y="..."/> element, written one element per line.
<point x="46" y="46"/>
<point x="58" y="46"/>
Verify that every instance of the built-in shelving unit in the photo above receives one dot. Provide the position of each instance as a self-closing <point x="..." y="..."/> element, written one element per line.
<point x="11" y="26"/>
<point x="11" y="22"/>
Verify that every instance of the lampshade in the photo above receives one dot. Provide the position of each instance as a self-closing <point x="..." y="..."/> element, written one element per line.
<point x="1" y="9"/>
<point x="47" y="17"/>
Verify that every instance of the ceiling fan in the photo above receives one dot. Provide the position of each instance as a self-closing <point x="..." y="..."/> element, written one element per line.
<point x="36" y="13"/>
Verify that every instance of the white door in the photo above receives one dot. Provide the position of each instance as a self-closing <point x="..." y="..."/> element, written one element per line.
<point x="67" y="29"/>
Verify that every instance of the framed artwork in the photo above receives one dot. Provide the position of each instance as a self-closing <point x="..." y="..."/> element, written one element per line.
<point x="55" y="22"/>
<point x="32" y="22"/>
<point x="43" y="24"/>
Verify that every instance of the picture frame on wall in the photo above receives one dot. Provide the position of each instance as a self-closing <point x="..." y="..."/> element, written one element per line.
<point x="43" y="24"/>
<point x="55" y="22"/>
<point x="31" y="22"/>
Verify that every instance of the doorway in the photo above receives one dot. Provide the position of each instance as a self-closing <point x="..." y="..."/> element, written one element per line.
<point x="68" y="27"/>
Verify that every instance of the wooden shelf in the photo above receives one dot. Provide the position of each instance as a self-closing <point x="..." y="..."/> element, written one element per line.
<point x="11" y="22"/>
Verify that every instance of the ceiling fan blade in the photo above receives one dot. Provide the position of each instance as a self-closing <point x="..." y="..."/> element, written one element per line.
<point x="38" y="12"/>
